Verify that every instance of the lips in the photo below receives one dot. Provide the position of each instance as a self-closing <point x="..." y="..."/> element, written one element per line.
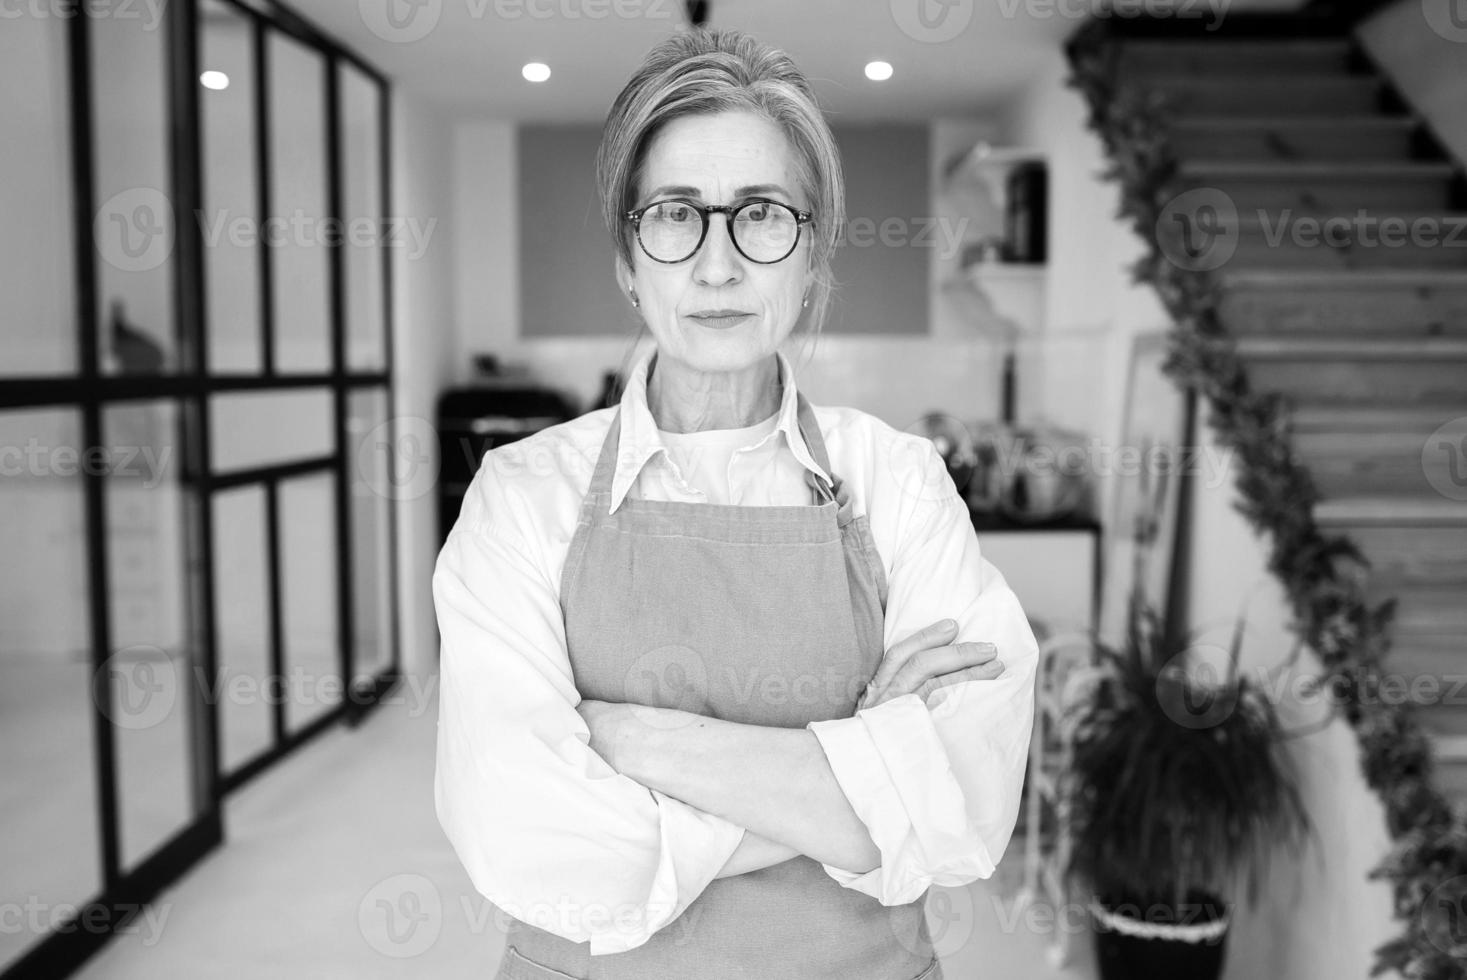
<point x="720" y="318"/>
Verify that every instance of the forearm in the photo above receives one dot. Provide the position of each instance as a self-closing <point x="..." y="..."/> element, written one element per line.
<point x="755" y="852"/>
<point x="775" y="782"/>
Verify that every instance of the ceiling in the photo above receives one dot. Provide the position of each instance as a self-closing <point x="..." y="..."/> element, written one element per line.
<point x="951" y="57"/>
<point x="466" y="55"/>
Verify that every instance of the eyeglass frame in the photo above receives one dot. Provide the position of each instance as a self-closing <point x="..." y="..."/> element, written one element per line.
<point x="802" y="218"/>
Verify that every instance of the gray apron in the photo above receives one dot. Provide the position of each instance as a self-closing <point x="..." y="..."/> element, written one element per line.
<point x="768" y="615"/>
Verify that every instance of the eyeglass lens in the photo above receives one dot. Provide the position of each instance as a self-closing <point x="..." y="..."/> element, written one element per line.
<point x="762" y="230"/>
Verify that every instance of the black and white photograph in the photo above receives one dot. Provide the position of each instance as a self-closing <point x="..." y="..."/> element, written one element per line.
<point x="733" y="489"/>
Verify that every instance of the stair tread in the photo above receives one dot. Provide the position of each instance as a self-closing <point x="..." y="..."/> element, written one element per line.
<point x="1334" y="43"/>
<point x="1253" y="217"/>
<point x="1318" y="168"/>
<point x="1406" y="420"/>
<point x="1392" y="510"/>
<point x="1231" y="80"/>
<point x="1449" y="748"/>
<point x="1206" y="121"/>
<point x="1383" y="276"/>
<point x="1414" y="348"/>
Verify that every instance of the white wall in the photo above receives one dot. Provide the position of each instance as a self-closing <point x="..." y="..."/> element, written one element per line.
<point x="424" y="348"/>
<point x="1319" y="918"/>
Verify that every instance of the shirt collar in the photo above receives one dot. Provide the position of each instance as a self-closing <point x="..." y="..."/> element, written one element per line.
<point x="640" y="440"/>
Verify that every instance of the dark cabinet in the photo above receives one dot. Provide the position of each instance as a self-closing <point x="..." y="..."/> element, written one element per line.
<point x="473" y="420"/>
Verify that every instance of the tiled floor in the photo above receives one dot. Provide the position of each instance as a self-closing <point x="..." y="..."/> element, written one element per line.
<point x="335" y="867"/>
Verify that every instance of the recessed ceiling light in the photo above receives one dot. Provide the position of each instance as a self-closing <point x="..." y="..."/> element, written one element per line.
<point x="878" y="71"/>
<point x="535" y="71"/>
<point x="216" y="80"/>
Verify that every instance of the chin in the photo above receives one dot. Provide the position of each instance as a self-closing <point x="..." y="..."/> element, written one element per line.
<point x="724" y="350"/>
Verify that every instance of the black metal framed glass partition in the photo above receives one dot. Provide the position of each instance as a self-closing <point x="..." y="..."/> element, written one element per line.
<point x="195" y="386"/>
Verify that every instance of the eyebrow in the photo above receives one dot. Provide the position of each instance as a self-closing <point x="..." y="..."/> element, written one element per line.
<point x="683" y="190"/>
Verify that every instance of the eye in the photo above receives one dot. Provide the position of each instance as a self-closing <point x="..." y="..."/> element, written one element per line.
<point x="759" y="211"/>
<point x="675" y="212"/>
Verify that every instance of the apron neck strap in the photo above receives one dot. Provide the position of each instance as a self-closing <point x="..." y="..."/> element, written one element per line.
<point x="606" y="460"/>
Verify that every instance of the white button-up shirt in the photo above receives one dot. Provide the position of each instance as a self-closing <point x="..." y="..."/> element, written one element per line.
<point x="551" y="834"/>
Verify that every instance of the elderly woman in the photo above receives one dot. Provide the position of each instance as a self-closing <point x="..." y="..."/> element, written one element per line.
<point x="715" y="696"/>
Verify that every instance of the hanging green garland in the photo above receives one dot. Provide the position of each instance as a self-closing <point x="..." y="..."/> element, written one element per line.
<point x="1322" y="575"/>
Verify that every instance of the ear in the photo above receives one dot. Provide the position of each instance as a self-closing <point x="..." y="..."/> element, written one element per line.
<point x="623" y="275"/>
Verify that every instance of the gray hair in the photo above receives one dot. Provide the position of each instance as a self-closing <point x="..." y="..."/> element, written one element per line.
<point x="708" y="71"/>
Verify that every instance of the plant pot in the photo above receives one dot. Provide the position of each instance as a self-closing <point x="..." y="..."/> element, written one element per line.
<point x="1134" y="941"/>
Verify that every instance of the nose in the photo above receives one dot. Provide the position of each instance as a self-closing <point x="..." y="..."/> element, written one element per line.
<point x="717" y="262"/>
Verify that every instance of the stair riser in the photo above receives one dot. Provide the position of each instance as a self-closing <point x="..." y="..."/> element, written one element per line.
<point x="1352" y="464"/>
<point x="1328" y="196"/>
<point x="1212" y="58"/>
<point x="1323" y="96"/>
<point x="1398" y="311"/>
<point x="1255" y="251"/>
<point x="1353" y="382"/>
<point x="1433" y="556"/>
<point x="1444" y="713"/>
<point x="1342" y="142"/>
<point x="1426" y="617"/>
<point x="1431" y="674"/>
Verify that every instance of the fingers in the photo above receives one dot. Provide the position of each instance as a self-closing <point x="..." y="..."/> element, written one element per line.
<point x="982" y="672"/>
<point x="901" y="651"/>
<point x="927" y="664"/>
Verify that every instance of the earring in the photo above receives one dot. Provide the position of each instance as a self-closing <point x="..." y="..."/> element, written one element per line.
<point x="636" y="303"/>
<point x="805" y="301"/>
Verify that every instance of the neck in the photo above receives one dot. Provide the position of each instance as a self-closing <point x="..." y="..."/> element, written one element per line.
<point x="683" y="399"/>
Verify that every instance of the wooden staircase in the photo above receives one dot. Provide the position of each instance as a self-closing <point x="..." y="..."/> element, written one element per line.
<point x="1366" y="340"/>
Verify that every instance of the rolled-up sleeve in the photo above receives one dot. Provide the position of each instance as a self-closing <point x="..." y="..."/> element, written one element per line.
<point x="543" y="825"/>
<point x="938" y="783"/>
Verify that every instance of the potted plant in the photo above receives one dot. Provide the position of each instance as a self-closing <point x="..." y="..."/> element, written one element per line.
<point x="1174" y="783"/>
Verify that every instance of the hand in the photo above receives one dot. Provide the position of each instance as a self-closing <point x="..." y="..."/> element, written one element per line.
<point x="926" y="661"/>
<point x="608" y="724"/>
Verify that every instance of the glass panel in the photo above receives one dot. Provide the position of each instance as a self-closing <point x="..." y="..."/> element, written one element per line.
<point x="298" y="256"/>
<point x="230" y="222"/>
<point x="263" y="428"/>
<point x="152" y="660"/>
<point x="242" y="624"/>
<point x="37" y="268"/>
<point x="49" y="852"/>
<point x="366" y="231"/>
<point x="308" y="590"/>
<point x="372" y="602"/>
<point x="134" y="225"/>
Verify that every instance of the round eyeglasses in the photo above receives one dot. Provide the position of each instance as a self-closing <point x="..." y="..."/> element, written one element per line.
<point x="763" y="231"/>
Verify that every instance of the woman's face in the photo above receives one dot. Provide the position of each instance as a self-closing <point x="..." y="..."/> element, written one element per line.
<point x="720" y="158"/>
